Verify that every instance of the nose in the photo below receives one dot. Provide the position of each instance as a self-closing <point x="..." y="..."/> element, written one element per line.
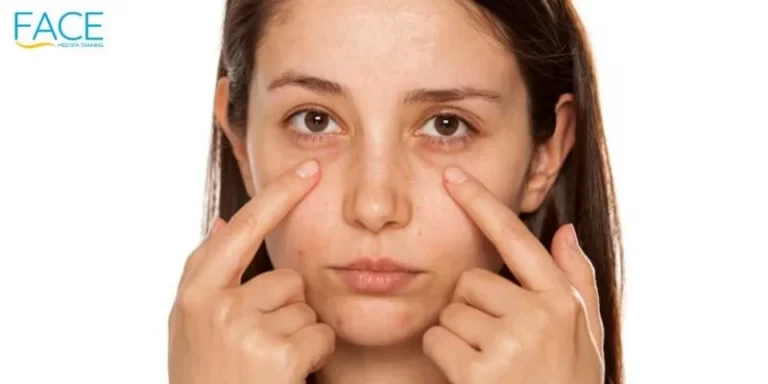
<point x="377" y="195"/>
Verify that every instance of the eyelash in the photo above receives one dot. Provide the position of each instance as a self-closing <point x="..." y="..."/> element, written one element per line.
<point x="309" y="138"/>
<point x="444" y="142"/>
<point x="441" y="142"/>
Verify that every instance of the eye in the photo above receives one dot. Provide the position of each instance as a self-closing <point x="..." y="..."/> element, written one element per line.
<point x="445" y="126"/>
<point x="312" y="121"/>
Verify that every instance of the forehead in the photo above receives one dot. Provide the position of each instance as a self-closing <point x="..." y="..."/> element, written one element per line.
<point x="403" y="42"/>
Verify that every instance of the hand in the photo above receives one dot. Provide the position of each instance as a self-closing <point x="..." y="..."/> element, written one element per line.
<point x="547" y="330"/>
<point x="258" y="332"/>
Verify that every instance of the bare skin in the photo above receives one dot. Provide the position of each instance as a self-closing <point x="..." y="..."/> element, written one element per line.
<point x="259" y="332"/>
<point x="360" y="87"/>
<point x="547" y="330"/>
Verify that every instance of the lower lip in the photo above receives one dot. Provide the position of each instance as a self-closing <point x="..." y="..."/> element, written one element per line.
<point x="374" y="282"/>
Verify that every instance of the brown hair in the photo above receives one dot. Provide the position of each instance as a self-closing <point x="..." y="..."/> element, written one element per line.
<point x="550" y="44"/>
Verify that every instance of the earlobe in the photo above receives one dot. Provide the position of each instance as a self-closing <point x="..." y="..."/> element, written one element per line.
<point x="221" y="112"/>
<point x="549" y="157"/>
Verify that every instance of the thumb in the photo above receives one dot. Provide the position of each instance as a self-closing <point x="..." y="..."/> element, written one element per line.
<point x="579" y="270"/>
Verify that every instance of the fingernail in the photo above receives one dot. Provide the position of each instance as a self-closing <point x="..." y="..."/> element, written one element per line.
<point x="307" y="169"/>
<point x="455" y="175"/>
<point x="573" y="238"/>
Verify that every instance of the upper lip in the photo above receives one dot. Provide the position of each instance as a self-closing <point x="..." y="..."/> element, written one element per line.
<point x="381" y="264"/>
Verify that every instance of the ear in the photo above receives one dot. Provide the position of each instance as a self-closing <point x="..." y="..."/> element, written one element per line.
<point x="548" y="157"/>
<point x="235" y="137"/>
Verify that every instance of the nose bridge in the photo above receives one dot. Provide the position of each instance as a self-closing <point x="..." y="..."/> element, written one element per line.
<point x="377" y="195"/>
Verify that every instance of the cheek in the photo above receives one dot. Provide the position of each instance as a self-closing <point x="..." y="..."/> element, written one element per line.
<point x="274" y="151"/>
<point x="299" y="240"/>
<point x="443" y="233"/>
<point x="307" y="229"/>
<point x="451" y="239"/>
<point x="439" y="235"/>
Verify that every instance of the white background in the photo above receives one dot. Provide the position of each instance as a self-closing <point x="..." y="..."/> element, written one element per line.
<point x="102" y="164"/>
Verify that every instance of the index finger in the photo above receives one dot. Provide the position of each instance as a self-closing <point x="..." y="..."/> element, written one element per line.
<point x="226" y="255"/>
<point x="522" y="252"/>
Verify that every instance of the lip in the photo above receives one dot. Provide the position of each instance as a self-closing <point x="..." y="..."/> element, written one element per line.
<point x="382" y="264"/>
<point x="377" y="276"/>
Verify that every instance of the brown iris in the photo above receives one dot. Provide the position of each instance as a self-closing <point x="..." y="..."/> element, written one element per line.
<point x="446" y="125"/>
<point x="316" y="121"/>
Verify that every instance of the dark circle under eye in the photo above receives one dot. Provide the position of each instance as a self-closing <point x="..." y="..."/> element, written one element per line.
<point x="446" y="124"/>
<point x="316" y="121"/>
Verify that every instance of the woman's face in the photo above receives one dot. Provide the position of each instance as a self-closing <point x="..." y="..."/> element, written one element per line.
<point x="385" y="94"/>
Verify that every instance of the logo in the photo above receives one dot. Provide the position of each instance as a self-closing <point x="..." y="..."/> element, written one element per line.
<point x="65" y="30"/>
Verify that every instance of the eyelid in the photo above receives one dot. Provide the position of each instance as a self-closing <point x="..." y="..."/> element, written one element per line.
<point x="473" y="122"/>
<point x="315" y="108"/>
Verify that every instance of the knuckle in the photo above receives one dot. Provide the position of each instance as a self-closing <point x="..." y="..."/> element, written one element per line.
<point x="187" y="302"/>
<point x="249" y="343"/>
<point x="292" y="279"/>
<point x="472" y="276"/>
<point x="430" y="340"/>
<point x="542" y="319"/>
<point x="188" y="266"/>
<point x="328" y="337"/>
<point x="307" y="313"/>
<point x="222" y="310"/>
<point x="448" y="313"/>
<point x="508" y="344"/>
<point x="193" y="257"/>
<point x="325" y="333"/>
<point x="295" y="281"/>
<point x="253" y="221"/>
<point x="475" y="273"/>
<point x="260" y="346"/>
<point x="252" y="344"/>
<point x="265" y="349"/>
<point x="329" y="334"/>
<point x="285" y="355"/>
<point x="477" y="372"/>
<point x="569" y="304"/>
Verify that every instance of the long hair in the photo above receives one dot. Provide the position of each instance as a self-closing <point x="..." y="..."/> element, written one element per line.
<point x="551" y="46"/>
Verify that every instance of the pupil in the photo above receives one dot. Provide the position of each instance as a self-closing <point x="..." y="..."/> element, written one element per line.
<point x="446" y="125"/>
<point x="316" y="121"/>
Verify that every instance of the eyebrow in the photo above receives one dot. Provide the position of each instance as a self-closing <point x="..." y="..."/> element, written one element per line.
<point x="311" y="83"/>
<point x="451" y="94"/>
<point x="422" y="95"/>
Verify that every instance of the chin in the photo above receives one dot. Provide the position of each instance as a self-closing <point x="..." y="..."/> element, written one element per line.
<point x="376" y="321"/>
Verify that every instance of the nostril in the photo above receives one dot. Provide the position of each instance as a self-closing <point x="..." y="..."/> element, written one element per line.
<point x="377" y="203"/>
<point x="377" y="209"/>
<point x="375" y="215"/>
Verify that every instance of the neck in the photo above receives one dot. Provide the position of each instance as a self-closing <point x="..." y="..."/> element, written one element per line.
<point x="402" y="364"/>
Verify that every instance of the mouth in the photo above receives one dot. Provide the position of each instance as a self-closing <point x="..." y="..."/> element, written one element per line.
<point x="377" y="276"/>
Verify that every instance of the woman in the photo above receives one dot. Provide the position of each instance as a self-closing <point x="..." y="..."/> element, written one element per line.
<point x="426" y="191"/>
